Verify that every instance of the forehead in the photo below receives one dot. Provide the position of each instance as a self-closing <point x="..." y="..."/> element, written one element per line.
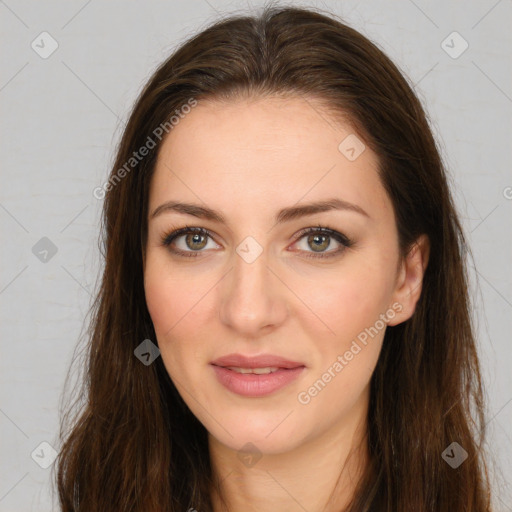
<point x="262" y="152"/>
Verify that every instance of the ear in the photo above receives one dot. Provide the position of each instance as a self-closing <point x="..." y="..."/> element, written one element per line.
<point x="410" y="279"/>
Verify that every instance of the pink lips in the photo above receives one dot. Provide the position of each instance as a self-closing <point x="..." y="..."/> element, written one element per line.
<point x="255" y="385"/>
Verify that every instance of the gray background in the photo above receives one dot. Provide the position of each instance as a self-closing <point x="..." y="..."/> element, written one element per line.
<point x="62" y="117"/>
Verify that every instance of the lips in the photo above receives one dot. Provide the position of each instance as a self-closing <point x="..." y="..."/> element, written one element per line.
<point x="256" y="376"/>
<point x="250" y="362"/>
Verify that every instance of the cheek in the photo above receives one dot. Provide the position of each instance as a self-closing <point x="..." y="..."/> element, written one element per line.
<point x="347" y="301"/>
<point x="177" y="305"/>
<point x="348" y="352"/>
<point x="172" y="299"/>
<point x="166" y="307"/>
<point x="159" y="297"/>
<point x="349" y="338"/>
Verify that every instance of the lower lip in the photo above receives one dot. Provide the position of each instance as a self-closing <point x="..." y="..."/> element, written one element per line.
<point x="250" y="384"/>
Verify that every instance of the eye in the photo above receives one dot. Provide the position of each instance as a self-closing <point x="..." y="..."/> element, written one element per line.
<point x="319" y="239"/>
<point x="194" y="240"/>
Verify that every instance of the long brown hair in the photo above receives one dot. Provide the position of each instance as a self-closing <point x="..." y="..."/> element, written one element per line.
<point x="133" y="444"/>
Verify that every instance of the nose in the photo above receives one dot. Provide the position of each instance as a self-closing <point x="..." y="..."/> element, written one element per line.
<point x="253" y="298"/>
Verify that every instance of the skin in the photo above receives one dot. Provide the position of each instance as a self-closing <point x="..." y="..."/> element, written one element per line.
<point x="247" y="159"/>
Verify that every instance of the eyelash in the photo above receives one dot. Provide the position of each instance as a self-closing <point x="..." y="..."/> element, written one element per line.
<point x="168" y="237"/>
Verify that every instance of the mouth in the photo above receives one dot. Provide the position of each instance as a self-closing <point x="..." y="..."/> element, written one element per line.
<point x="256" y="371"/>
<point x="255" y="376"/>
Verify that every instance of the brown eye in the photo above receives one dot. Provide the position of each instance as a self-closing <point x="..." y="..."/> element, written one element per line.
<point x="318" y="240"/>
<point x="194" y="240"/>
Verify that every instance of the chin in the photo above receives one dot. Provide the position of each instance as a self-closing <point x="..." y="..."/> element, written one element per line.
<point x="267" y="433"/>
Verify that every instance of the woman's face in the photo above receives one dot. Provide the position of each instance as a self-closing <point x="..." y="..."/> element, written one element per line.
<point x="256" y="284"/>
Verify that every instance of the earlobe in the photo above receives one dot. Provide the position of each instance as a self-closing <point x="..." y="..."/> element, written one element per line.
<point x="410" y="279"/>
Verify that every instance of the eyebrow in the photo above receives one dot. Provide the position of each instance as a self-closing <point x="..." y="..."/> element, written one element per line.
<point x="283" y="215"/>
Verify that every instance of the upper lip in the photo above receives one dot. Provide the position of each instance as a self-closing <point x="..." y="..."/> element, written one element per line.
<point x="261" y="361"/>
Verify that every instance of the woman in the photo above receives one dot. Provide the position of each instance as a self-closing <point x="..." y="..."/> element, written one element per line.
<point x="283" y="321"/>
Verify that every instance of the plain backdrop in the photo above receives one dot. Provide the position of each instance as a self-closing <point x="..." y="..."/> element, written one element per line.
<point x="70" y="74"/>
